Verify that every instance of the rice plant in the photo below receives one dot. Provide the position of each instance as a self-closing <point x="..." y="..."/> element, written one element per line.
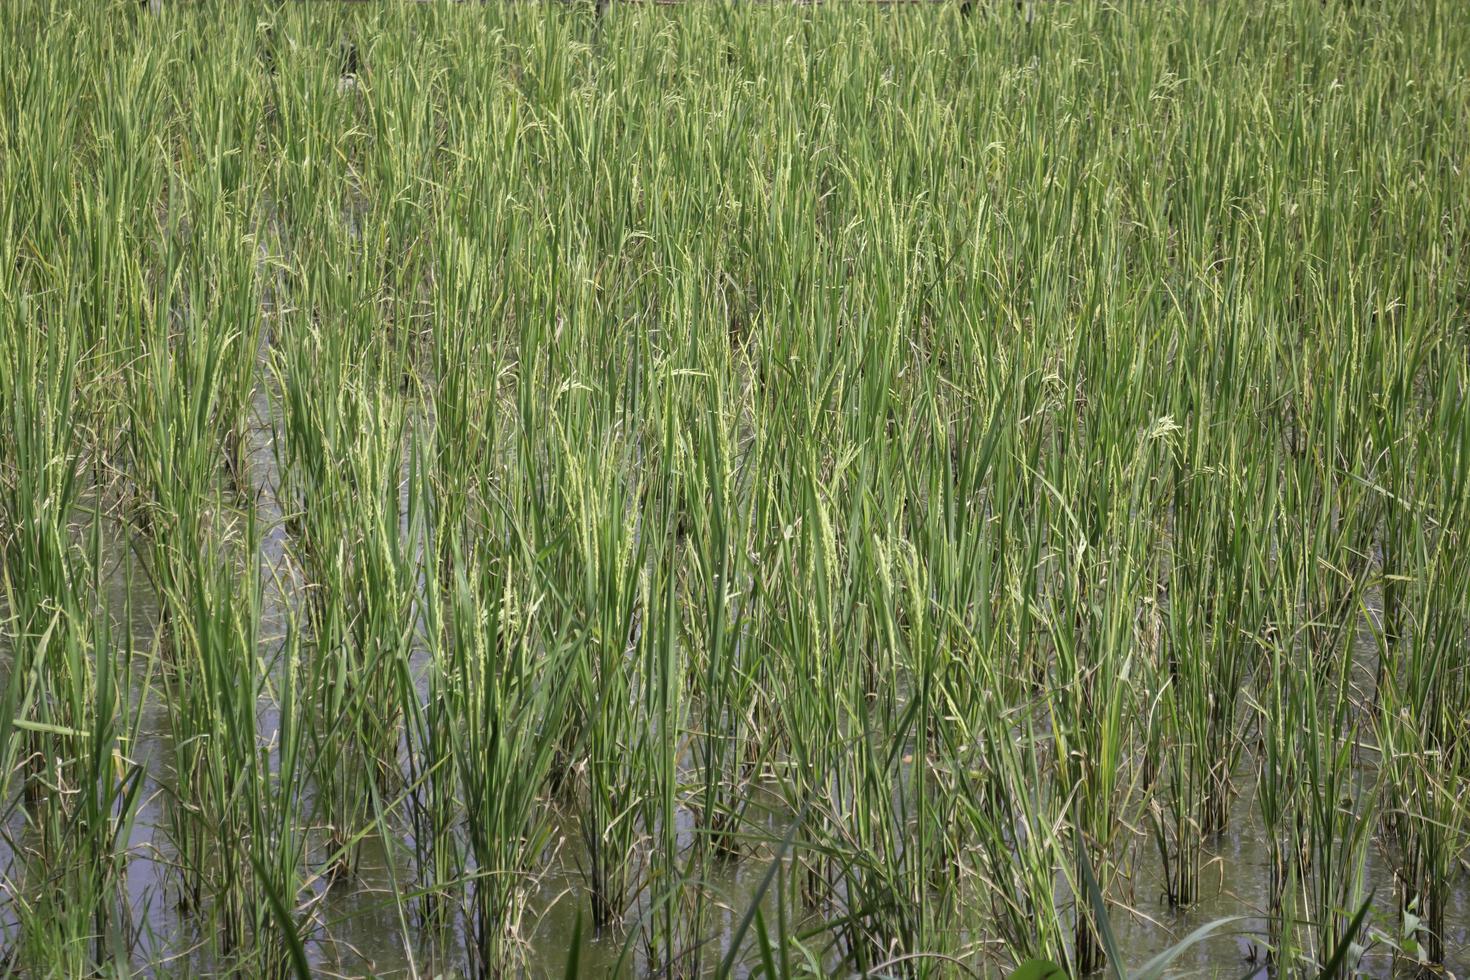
<point x="895" y="489"/>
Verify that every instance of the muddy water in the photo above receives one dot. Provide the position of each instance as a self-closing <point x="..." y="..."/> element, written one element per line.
<point x="1234" y="883"/>
<point x="359" y="931"/>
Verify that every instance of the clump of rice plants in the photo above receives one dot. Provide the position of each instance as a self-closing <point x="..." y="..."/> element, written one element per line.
<point x="733" y="489"/>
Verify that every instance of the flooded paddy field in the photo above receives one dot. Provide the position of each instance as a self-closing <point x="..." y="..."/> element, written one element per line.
<point x="734" y="490"/>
